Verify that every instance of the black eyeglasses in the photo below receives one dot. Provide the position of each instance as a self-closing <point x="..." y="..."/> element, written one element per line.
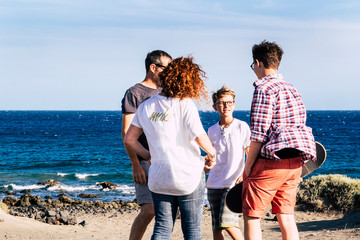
<point x="159" y="65"/>
<point x="252" y="65"/>
<point x="223" y="103"/>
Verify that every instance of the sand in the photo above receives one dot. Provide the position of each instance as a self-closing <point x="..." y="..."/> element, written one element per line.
<point x="117" y="226"/>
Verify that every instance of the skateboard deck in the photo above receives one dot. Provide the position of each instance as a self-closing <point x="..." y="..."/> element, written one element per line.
<point x="233" y="197"/>
<point x="311" y="166"/>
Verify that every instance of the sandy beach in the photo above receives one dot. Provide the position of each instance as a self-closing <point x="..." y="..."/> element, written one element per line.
<point x="116" y="225"/>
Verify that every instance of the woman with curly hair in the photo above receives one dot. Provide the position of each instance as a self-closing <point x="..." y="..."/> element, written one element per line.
<point x="174" y="131"/>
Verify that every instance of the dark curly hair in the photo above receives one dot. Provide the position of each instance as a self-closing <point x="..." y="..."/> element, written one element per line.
<point x="269" y="53"/>
<point x="183" y="78"/>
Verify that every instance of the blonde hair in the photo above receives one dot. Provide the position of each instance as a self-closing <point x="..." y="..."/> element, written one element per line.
<point x="224" y="90"/>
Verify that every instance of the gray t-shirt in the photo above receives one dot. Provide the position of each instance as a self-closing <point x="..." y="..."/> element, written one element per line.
<point x="133" y="97"/>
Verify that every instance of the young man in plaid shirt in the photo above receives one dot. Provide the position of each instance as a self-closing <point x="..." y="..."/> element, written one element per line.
<point x="280" y="143"/>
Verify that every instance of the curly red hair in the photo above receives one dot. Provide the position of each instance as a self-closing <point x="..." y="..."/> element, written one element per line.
<point x="183" y="78"/>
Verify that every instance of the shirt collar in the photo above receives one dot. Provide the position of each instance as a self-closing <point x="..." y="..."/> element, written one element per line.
<point x="267" y="78"/>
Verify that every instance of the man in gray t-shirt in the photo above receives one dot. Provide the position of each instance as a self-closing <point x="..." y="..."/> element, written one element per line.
<point x="133" y="97"/>
<point x="155" y="63"/>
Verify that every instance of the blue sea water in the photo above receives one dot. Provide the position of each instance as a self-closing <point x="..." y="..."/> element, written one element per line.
<point x="82" y="148"/>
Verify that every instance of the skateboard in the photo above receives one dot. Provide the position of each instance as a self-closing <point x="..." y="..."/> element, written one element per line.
<point x="233" y="197"/>
<point x="311" y="166"/>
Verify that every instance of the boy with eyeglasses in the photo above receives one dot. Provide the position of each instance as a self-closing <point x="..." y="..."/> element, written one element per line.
<point x="280" y="143"/>
<point x="231" y="139"/>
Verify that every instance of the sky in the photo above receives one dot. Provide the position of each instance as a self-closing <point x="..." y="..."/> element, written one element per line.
<point x="84" y="54"/>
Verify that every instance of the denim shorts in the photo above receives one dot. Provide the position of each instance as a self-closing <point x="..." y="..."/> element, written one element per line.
<point x="143" y="194"/>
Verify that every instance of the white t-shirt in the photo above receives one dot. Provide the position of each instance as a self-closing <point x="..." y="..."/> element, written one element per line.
<point x="171" y="126"/>
<point x="230" y="154"/>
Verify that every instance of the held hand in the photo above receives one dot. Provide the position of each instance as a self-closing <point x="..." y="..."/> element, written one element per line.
<point x="209" y="164"/>
<point x="139" y="175"/>
<point x="210" y="161"/>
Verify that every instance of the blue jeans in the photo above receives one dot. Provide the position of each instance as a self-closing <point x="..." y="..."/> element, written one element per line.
<point x="191" y="210"/>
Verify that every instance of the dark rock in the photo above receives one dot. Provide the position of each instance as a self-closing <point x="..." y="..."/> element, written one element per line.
<point x="83" y="223"/>
<point x="107" y="184"/>
<point x="10" y="201"/>
<point x="24" y="201"/>
<point x="35" y="200"/>
<point x="51" y="220"/>
<point x="8" y="192"/>
<point x="65" y="199"/>
<point x="26" y="191"/>
<point x="84" y="195"/>
<point x="49" y="183"/>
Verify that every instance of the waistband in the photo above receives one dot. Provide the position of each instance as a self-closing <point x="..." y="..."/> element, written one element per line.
<point x="283" y="163"/>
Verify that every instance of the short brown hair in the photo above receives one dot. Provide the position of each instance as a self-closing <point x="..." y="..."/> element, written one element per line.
<point x="183" y="78"/>
<point x="269" y="53"/>
<point x="224" y="90"/>
<point x="154" y="58"/>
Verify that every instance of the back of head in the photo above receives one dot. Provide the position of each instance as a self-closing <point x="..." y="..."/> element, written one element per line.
<point x="154" y="58"/>
<point x="183" y="78"/>
<point x="269" y="53"/>
<point x="223" y="91"/>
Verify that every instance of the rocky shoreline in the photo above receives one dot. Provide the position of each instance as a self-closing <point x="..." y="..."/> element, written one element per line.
<point x="64" y="210"/>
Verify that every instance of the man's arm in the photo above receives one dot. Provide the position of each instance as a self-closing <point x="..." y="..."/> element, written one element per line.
<point x="133" y="147"/>
<point x="126" y="121"/>
<point x="137" y="171"/>
<point x="254" y="150"/>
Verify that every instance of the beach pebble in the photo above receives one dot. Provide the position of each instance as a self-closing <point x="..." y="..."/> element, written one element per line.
<point x="83" y="223"/>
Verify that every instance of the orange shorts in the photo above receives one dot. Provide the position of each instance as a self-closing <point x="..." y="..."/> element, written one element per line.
<point x="271" y="181"/>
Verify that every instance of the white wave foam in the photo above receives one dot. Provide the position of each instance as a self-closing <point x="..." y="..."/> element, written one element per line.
<point x="84" y="175"/>
<point x="19" y="187"/>
<point x="62" y="174"/>
<point x="126" y="189"/>
<point x="67" y="188"/>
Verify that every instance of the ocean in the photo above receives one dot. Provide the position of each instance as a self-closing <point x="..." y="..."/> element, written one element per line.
<point x="82" y="148"/>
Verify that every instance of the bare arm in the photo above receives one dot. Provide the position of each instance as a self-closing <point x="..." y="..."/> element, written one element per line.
<point x="240" y="178"/>
<point x="126" y="124"/>
<point x="204" y="142"/>
<point x="253" y="152"/>
<point x="132" y="144"/>
<point x="133" y="147"/>
<point x="137" y="171"/>
<point x="126" y="121"/>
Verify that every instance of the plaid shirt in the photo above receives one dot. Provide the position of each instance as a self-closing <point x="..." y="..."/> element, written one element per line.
<point x="278" y="118"/>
